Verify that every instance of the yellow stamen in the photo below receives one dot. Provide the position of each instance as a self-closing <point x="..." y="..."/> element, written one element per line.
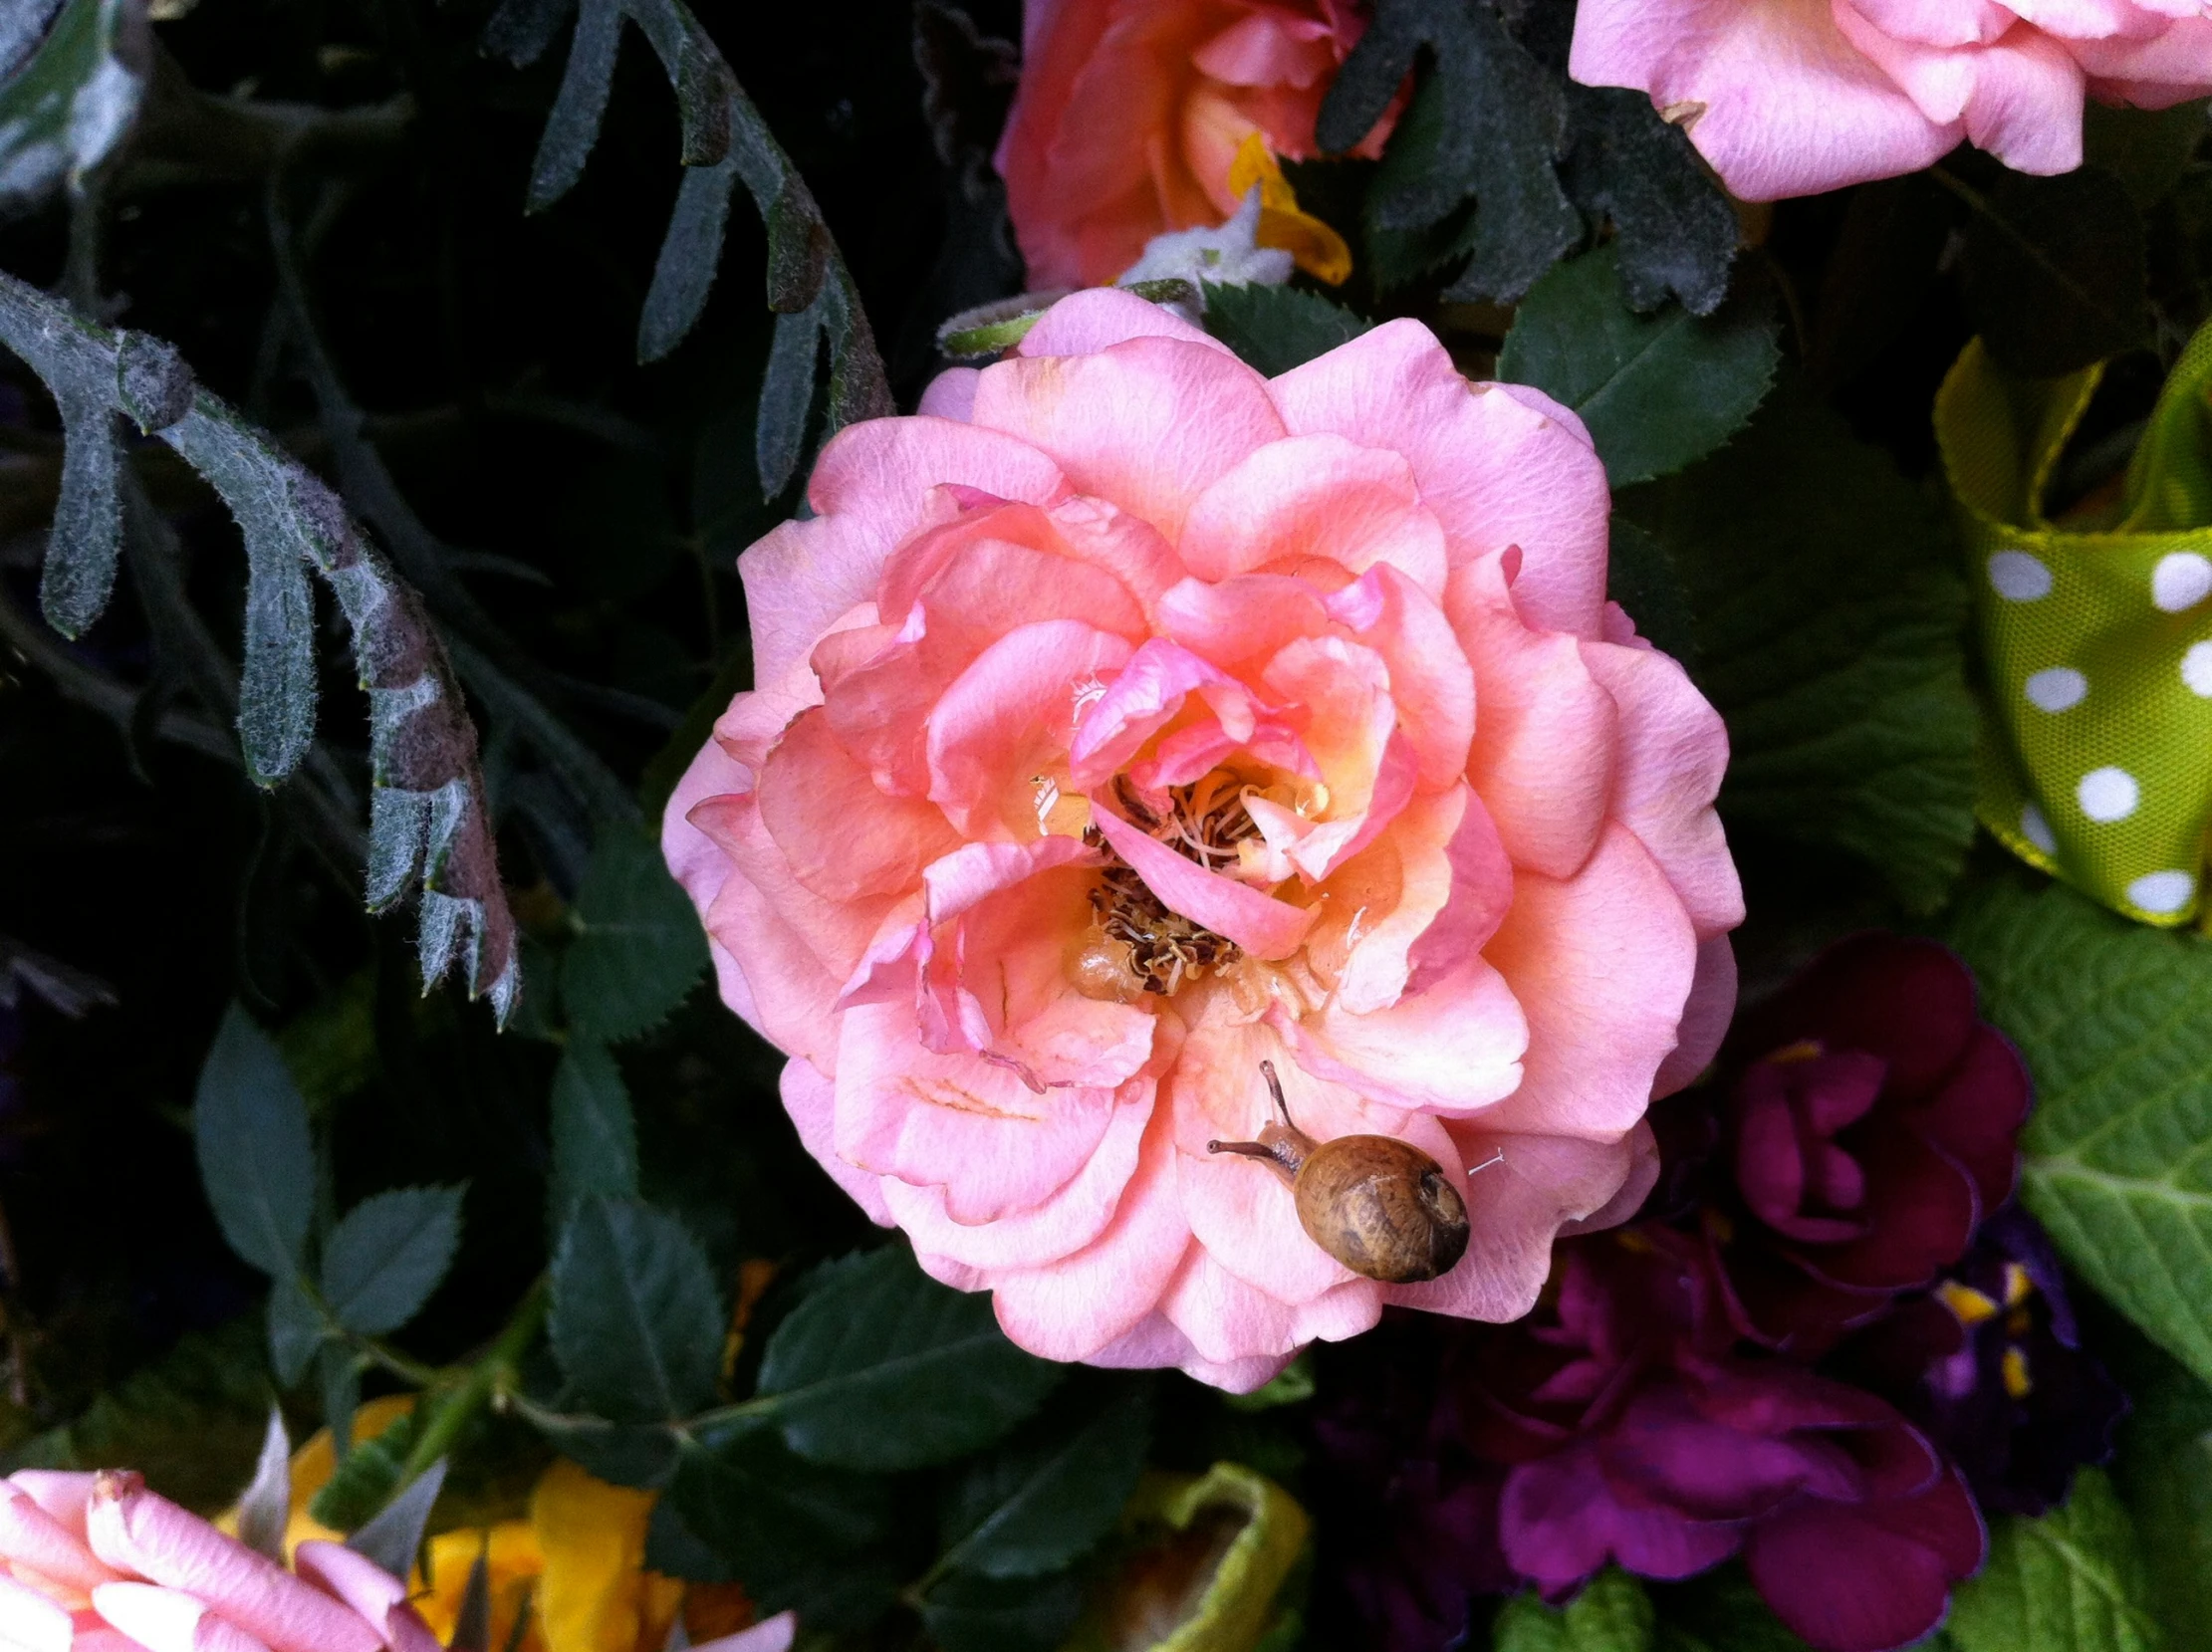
<point x="1805" y="1050"/>
<point x="2015" y="1369"/>
<point x="2018" y="1286"/>
<point x="1971" y="1307"/>
<point x="1319" y="250"/>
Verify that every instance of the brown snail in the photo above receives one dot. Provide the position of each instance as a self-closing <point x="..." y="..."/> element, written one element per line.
<point x="1380" y="1206"/>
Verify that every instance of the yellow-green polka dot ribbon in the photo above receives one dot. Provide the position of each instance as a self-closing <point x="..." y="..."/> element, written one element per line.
<point x="2095" y="756"/>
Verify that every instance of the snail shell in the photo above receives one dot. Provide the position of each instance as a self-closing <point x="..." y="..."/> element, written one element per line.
<point x="1380" y="1206"/>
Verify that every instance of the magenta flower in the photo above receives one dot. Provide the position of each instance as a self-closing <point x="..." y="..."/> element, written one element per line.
<point x="1632" y="1429"/>
<point x="1871" y="1122"/>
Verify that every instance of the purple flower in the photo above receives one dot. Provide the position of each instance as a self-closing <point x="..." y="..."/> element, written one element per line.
<point x="1624" y="1423"/>
<point x="1990" y="1363"/>
<point x="1870" y="1122"/>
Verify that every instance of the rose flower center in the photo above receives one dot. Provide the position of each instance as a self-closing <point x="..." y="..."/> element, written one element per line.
<point x="1136" y="941"/>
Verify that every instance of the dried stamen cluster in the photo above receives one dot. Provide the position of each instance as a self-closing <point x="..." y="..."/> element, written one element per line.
<point x="1205" y="822"/>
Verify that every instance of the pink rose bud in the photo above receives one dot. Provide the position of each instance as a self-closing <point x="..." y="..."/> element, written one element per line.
<point x="169" y="1620"/>
<point x="61" y="1494"/>
<point x="29" y="1621"/>
<point x="369" y="1589"/>
<point x="144" y="1533"/>
<point x="33" y="1540"/>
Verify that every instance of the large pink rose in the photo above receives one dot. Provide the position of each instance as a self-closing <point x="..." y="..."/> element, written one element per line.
<point x="1128" y="720"/>
<point x="1130" y="111"/>
<point x="1793" y="97"/>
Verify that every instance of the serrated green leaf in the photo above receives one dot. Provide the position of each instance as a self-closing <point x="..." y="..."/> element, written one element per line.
<point x="1611" y="1615"/>
<point x="1829" y="619"/>
<point x="1642" y="576"/>
<point x="2071" y="1581"/>
<point x="795" y="1532"/>
<point x="298" y="1328"/>
<point x="1657" y="391"/>
<point x="2115" y="1023"/>
<point x="883" y="1368"/>
<point x="638" y="946"/>
<point x="381" y="1262"/>
<point x="990" y="1614"/>
<point x="635" y="1321"/>
<point x="595" y="1135"/>
<point x="1036" y="1503"/>
<point x="1274" y="329"/>
<point x="256" y="1161"/>
<point x="363" y="1482"/>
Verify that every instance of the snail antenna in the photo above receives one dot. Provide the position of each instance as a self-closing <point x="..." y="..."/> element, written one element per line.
<point x="1275" y="1089"/>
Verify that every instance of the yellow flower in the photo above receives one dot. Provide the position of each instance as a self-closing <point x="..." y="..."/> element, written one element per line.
<point x="1319" y="250"/>
<point x="572" y="1574"/>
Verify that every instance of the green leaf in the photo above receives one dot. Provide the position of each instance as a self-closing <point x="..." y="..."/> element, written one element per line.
<point x="791" y="1531"/>
<point x="192" y="1422"/>
<point x="365" y="1481"/>
<point x="883" y="1368"/>
<point x="381" y="1262"/>
<point x="1829" y="619"/>
<point x="990" y="1614"/>
<point x="2115" y="1023"/>
<point x="2164" y="1476"/>
<point x="2053" y="271"/>
<point x="298" y="1327"/>
<point x="1642" y="576"/>
<point x="1037" y="1504"/>
<point x="1720" y="1611"/>
<point x="635" y="1321"/>
<point x="2070" y="1581"/>
<point x="76" y="98"/>
<point x="638" y="946"/>
<point x="256" y="1161"/>
<point x="1657" y="391"/>
<point x="2147" y="150"/>
<point x="1611" y="1615"/>
<point x="1274" y="329"/>
<point x="594" y="1137"/>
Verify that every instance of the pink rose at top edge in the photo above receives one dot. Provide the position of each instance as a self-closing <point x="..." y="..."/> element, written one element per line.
<point x="100" y="1563"/>
<point x="1448" y="853"/>
<point x="1129" y="113"/>
<point x="1796" y="97"/>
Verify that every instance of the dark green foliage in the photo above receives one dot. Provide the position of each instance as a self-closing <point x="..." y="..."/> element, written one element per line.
<point x="1274" y="329"/>
<point x="1657" y="393"/>
<point x="638" y="948"/>
<point x="367" y="1476"/>
<point x="636" y="1320"/>
<point x="1611" y="1615"/>
<point x="883" y="1368"/>
<point x="991" y="1614"/>
<point x="1828" y="625"/>
<point x="594" y="1138"/>
<point x="1038" y="1502"/>
<point x="381" y="1264"/>
<point x="254" y="1154"/>
<point x="2053" y="269"/>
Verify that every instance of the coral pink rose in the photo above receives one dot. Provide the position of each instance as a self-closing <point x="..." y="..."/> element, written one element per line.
<point x="1128" y="720"/>
<point x="1130" y="115"/>
<point x="1793" y="97"/>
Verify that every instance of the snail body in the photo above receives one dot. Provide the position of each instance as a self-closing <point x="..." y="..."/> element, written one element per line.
<point x="1380" y="1206"/>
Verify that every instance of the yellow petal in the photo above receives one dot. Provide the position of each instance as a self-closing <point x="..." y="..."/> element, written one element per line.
<point x="593" y="1596"/>
<point x="513" y="1563"/>
<point x="1319" y="250"/>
